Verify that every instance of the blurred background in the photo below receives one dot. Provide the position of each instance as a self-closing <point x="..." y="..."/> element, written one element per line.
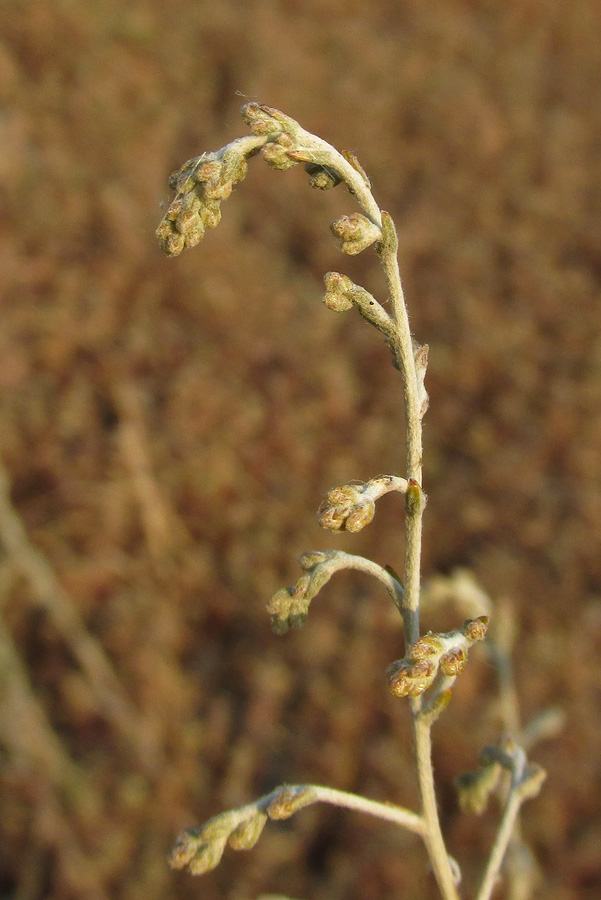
<point x="168" y="428"/>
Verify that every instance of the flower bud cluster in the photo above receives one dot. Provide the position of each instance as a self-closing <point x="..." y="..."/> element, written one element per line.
<point x="342" y="294"/>
<point x="338" y="293"/>
<point x="352" y="506"/>
<point x="347" y="508"/>
<point x="434" y="654"/>
<point x="289" y="607"/>
<point x="201" y="184"/>
<point x="355" y="233"/>
<point x="200" y="849"/>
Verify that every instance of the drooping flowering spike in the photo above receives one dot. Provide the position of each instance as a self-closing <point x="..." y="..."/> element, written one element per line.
<point x="288" y="608"/>
<point x="201" y="184"/>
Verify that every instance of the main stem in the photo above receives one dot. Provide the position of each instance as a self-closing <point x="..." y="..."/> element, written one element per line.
<point x="405" y="359"/>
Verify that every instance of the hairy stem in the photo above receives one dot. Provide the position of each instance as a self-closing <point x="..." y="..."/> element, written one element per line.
<point x="406" y="363"/>
<point x="405" y="359"/>
<point x="397" y="814"/>
<point x="433" y="838"/>
<point x="502" y="839"/>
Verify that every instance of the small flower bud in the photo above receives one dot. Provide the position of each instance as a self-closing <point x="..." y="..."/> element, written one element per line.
<point x="355" y="233"/>
<point x="475" y="629"/>
<point x="246" y="835"/>
<point x="429" y="646"/>
<point x="186" y="846"/>
<point x="337" y="302"/>
<point x="206" y="858"/>
<point x="453" y="663"/>
<point x="219" y="827"/>
<point x="286" y="611"/>
<point x="216" y="189"/>
<point x="174" y="210"/>
<point x="210" y="170"/>
<point x="290" y="801"/>
<point x="407" y="678"/>
<point x="337" y="283"/>
<point x="187" y="221"/>
<point x="277" y="156"/>
<point x="182" y="180"/>
<point x="360" y="516"/>
<point x="261" y="119"/>
<point x="337" y="290"/>
<point x="164" y="229"/>
<point x="234" y="167"/>
<point x="346" y="508"/>
<point x="173" y="244"/>
<point x="312" y="558"/>
<point x="288" y="607"/>
<point x="210" y="213"/>
<point x="195" y="235"/>
<point x="323" y="178"/>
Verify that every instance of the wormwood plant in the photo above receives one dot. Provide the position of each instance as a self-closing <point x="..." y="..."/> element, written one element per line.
<point x="426" y="673"/>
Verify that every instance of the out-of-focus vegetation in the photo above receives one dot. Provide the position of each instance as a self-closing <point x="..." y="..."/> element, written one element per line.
<point x="163" y="452"/>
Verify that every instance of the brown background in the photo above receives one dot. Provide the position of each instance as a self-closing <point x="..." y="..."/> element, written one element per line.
<point x="168" y="428"/>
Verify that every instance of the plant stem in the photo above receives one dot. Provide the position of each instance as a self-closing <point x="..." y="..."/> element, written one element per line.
<point x="404" y="353"/>
<point x="406" y="363"/>
<point x="387" y="811"/>
<point x="433" y="838"/>
<point x="504" y="835"/>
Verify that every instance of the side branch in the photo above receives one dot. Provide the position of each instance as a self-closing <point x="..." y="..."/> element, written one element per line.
<point x="526" y="782"/>
<point x="200" y="850"/>
<point x="289" y="606"/>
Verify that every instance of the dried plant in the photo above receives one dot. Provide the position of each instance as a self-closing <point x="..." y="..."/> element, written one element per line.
<point x="426" y="673"/>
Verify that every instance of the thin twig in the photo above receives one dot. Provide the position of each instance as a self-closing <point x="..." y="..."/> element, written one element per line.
<point x="387" y="811"/>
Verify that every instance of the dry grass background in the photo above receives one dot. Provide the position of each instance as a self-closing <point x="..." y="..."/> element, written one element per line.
<point x="168" y="428"/>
